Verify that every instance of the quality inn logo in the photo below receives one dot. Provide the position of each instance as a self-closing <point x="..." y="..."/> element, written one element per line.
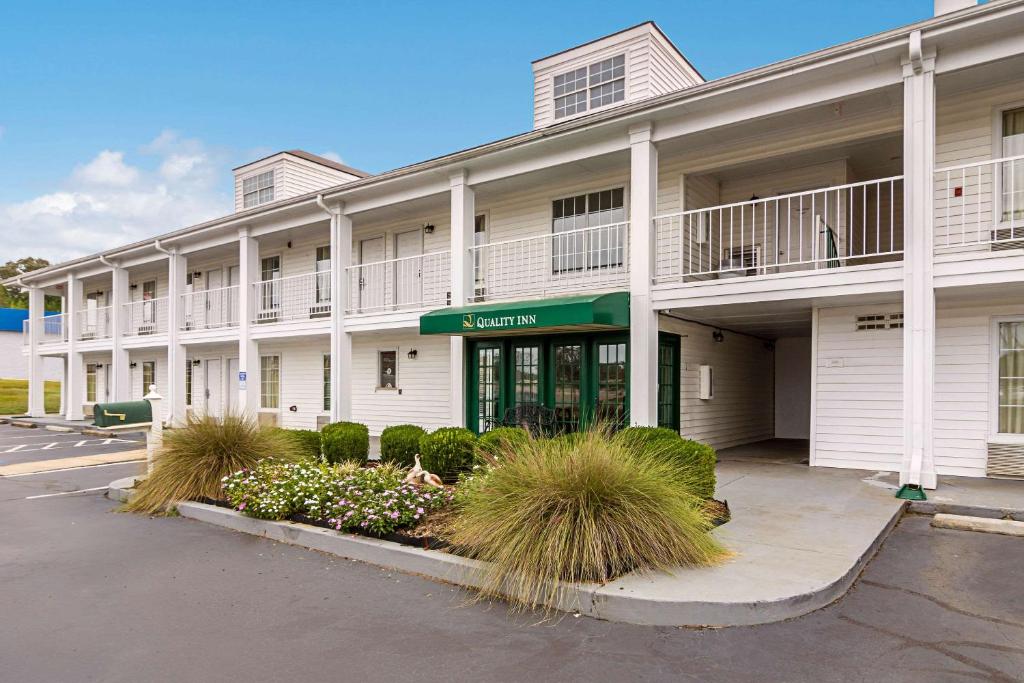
<point x="467" y="321"/>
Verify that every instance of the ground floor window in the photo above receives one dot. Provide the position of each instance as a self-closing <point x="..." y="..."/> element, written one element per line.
<point x="1011" y="377"/>
<point x="90" y="383"/>
<point x="387" y="369"/>
<point x="148" y="375"/>
<point x="327" y="382"/>
<point x="668" y="381"/>
<point x="188" y="382"/>
<point x="270" y="382"/>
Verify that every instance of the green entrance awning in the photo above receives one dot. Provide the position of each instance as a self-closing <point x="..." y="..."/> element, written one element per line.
<point x="583" y="312"/>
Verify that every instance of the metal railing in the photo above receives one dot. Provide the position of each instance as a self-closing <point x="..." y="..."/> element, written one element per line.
<point x="210" y="309"/>
<point x="575" y="260"/>
<point x="830" y="227"/>
<point x="95" y="323"/>
<point x="147" y="317"/>
<point x="54" y="329"/>
<point x="980" y="203"/>
<point x="299" y="297"/>
<point x="408" y="282"/>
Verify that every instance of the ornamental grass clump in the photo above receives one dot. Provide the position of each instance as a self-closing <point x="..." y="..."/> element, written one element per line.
<point x="195" y="458"/>
<point x="582" y="510"/>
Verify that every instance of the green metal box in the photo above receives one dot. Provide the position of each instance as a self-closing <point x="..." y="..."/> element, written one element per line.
<point x="121" y="414"/>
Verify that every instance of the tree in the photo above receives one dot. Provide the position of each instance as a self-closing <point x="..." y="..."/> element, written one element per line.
<point x="13" y="297"/>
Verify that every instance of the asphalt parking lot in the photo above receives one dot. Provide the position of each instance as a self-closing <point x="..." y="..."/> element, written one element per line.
<point x="21" y="445"/>
<point x="91" y="594"/>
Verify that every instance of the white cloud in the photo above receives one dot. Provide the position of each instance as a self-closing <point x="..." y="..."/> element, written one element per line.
<point x="333" y="156"/>
<point x="107" y="201"/>
<point x="108" y="168"/>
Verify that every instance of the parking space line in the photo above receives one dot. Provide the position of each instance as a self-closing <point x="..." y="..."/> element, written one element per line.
<point x="65" y="493"/>
<point x="68" y="469"/>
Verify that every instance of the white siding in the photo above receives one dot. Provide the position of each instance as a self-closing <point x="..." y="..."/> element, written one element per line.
<point x="301" y="380"/>
<point x="137" y="389"/>
<point x="425" y="397"/>
<point x="741" y="410"/>
<point x="858" y="408"/>
<point x="293" y="176"/>
<point x="965" y="385"/>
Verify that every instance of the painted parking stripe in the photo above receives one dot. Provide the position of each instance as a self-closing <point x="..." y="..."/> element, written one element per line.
<point x="66" y="493"/>
<point x="77" y="467"/>
<point x="12" y="449"/>
<point x="24" y="448"/>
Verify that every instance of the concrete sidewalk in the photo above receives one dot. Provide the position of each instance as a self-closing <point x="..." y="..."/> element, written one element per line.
<point x="974" y="496"/>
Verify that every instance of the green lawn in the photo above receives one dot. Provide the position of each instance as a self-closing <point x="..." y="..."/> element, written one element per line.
<point x="14" y="396"/>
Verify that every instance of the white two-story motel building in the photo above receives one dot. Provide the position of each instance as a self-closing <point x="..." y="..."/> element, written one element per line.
<point x="828" y="249"/>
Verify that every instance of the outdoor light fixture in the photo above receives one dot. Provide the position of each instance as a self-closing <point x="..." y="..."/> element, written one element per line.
<point x="293" y="409"/>
<point x="197" y="362"/>
<point x="412" y="354"/>
<point x="428" y="229"/>
<point x="718" y="336"/>
<point x="132" y="365"/>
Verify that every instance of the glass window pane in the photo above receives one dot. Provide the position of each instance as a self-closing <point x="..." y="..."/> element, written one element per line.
<point x="611" y="384"/>
<point x="327" y="382"/>
<point x="489" y="388"/>
<point x="527" y="375"/>
<point x="270" y="382"/>
<point x="566" y="401"/>
<point x="388" y="368"/>
<point x="1011" y="378"/>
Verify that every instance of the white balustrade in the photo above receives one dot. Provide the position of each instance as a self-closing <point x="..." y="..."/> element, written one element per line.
<point x="980" y="203"/>
<point x="209" y="309"/>
<point x="585" y="259"/>
<point x="409" y="282"/>
<point x="844" y="225"/>
<point x="299" y="297"/>
<point x="145" y="317"/>
<point x="95" y="322"/>
<point x="54" y="329"/>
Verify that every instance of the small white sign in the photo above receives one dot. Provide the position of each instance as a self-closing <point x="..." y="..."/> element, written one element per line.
<point x="241" y="379"/>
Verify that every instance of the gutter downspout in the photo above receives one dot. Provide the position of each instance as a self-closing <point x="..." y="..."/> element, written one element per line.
<point x="159" y="247"/>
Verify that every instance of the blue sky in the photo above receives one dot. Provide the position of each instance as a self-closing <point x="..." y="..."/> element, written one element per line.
<point x="124" y="120"/>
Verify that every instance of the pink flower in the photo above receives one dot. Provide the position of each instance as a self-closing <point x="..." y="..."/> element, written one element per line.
<point x="242" y="506"/>
<point x="419" y="511"/>
<point x="394" y="515"/>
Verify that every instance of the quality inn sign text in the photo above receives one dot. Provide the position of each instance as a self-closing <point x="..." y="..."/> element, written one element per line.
<point x="472" y="321"/>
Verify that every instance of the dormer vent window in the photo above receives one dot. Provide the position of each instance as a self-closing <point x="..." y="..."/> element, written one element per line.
<point x="601" y="83"/>
<point x="258" y="189"/>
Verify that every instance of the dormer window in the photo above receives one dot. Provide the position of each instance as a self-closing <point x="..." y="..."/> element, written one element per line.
<point x="258" y="189"/>
<point x="601" y="83"/>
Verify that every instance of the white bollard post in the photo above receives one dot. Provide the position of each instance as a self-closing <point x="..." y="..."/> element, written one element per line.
<point x="155" y="436"/>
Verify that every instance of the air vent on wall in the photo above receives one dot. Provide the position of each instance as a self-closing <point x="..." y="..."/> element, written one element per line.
<point x="1005" y="460"/>
<point x="880" y="321"/>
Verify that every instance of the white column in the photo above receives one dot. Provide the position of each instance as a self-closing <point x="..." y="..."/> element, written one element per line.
<point x="918" y="466"/>
<point x="248" y="349"/>
<point x="341" y="340"/>
<point x="463" y="200"/>
<point x="121" y="374"/>
<point x="177" y="266"/>
<point x="74" y="375"/>
<point x="36" y="405"/>
<point x="643" y="320"/>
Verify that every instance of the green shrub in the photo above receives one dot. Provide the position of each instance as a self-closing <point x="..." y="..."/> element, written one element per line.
<point x="497" y="440"/>
<point x="587" y="509"/>
<point x="694" y="460"/>
<point x="306" y="440"/>
<point x="195" y="458"/>
<point x="400" y="444"/>
<point x="341" y="441"/>
<point x="447" y="451"/>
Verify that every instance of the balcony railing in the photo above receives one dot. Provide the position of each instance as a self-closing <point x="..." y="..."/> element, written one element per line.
<point x="210" y="309"/>
<point x="409" y="282"/>
<point x="299" y="297"/>
<point x="95" y="323"/>
<point x="576" y="260"/>
<point x="54" y="329"/>
<point x="831" y="227"/>
<point x="980" y="204"/>
<point x="142" y="318"/>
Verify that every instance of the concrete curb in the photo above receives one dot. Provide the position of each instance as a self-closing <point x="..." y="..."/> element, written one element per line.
<point x="600" y="602"/>
<point x="925" y="507"/>
<point x="23" y="424"/>
<point x="122" y="490"/>
<point x="1006" y="527"/>
<point x="59" y="428"/>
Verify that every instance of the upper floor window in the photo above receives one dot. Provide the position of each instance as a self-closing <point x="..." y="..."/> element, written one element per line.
<point x="589" y="231"/>
<point x="601" y="83"/>
<point x="1013" y="171"/>
<point x="258" y="189"/>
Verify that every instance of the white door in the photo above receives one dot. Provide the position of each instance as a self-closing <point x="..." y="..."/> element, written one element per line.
<point x="373" y="279"/>
<point x="214" y="404"/>
<point x="408" y="278"/>
<point x="102" y="382"/>
<point x="233" y="386"/>
<point x="213" y="316"/>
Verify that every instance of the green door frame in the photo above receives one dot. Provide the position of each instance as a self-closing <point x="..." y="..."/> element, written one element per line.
<point x="668" y="393"/>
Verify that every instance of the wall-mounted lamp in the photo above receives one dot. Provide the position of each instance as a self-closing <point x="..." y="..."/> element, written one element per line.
<point x="133" y="286"/>
<point x="293" y="409"/>
<point x="132" y="365"/>
<point x="412" y="354"/>
<point x="197" y="362"/>
<point x="99" y="366"/>
<point x="754" y="197"/>
<point x="197" y="274"/>
<point x="428" y="229"/>
<point x="289" y="244"/>
<point x="718" y="336"/>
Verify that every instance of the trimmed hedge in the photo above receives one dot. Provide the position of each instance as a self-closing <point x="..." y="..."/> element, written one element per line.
<point x="400" y="444"/>
<point x="343" y="441"/>
<point x="695" y="459"/>
<point x="490" y="444"/>
<point x="306" y="440"/>
<point x="447" y="451"/>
